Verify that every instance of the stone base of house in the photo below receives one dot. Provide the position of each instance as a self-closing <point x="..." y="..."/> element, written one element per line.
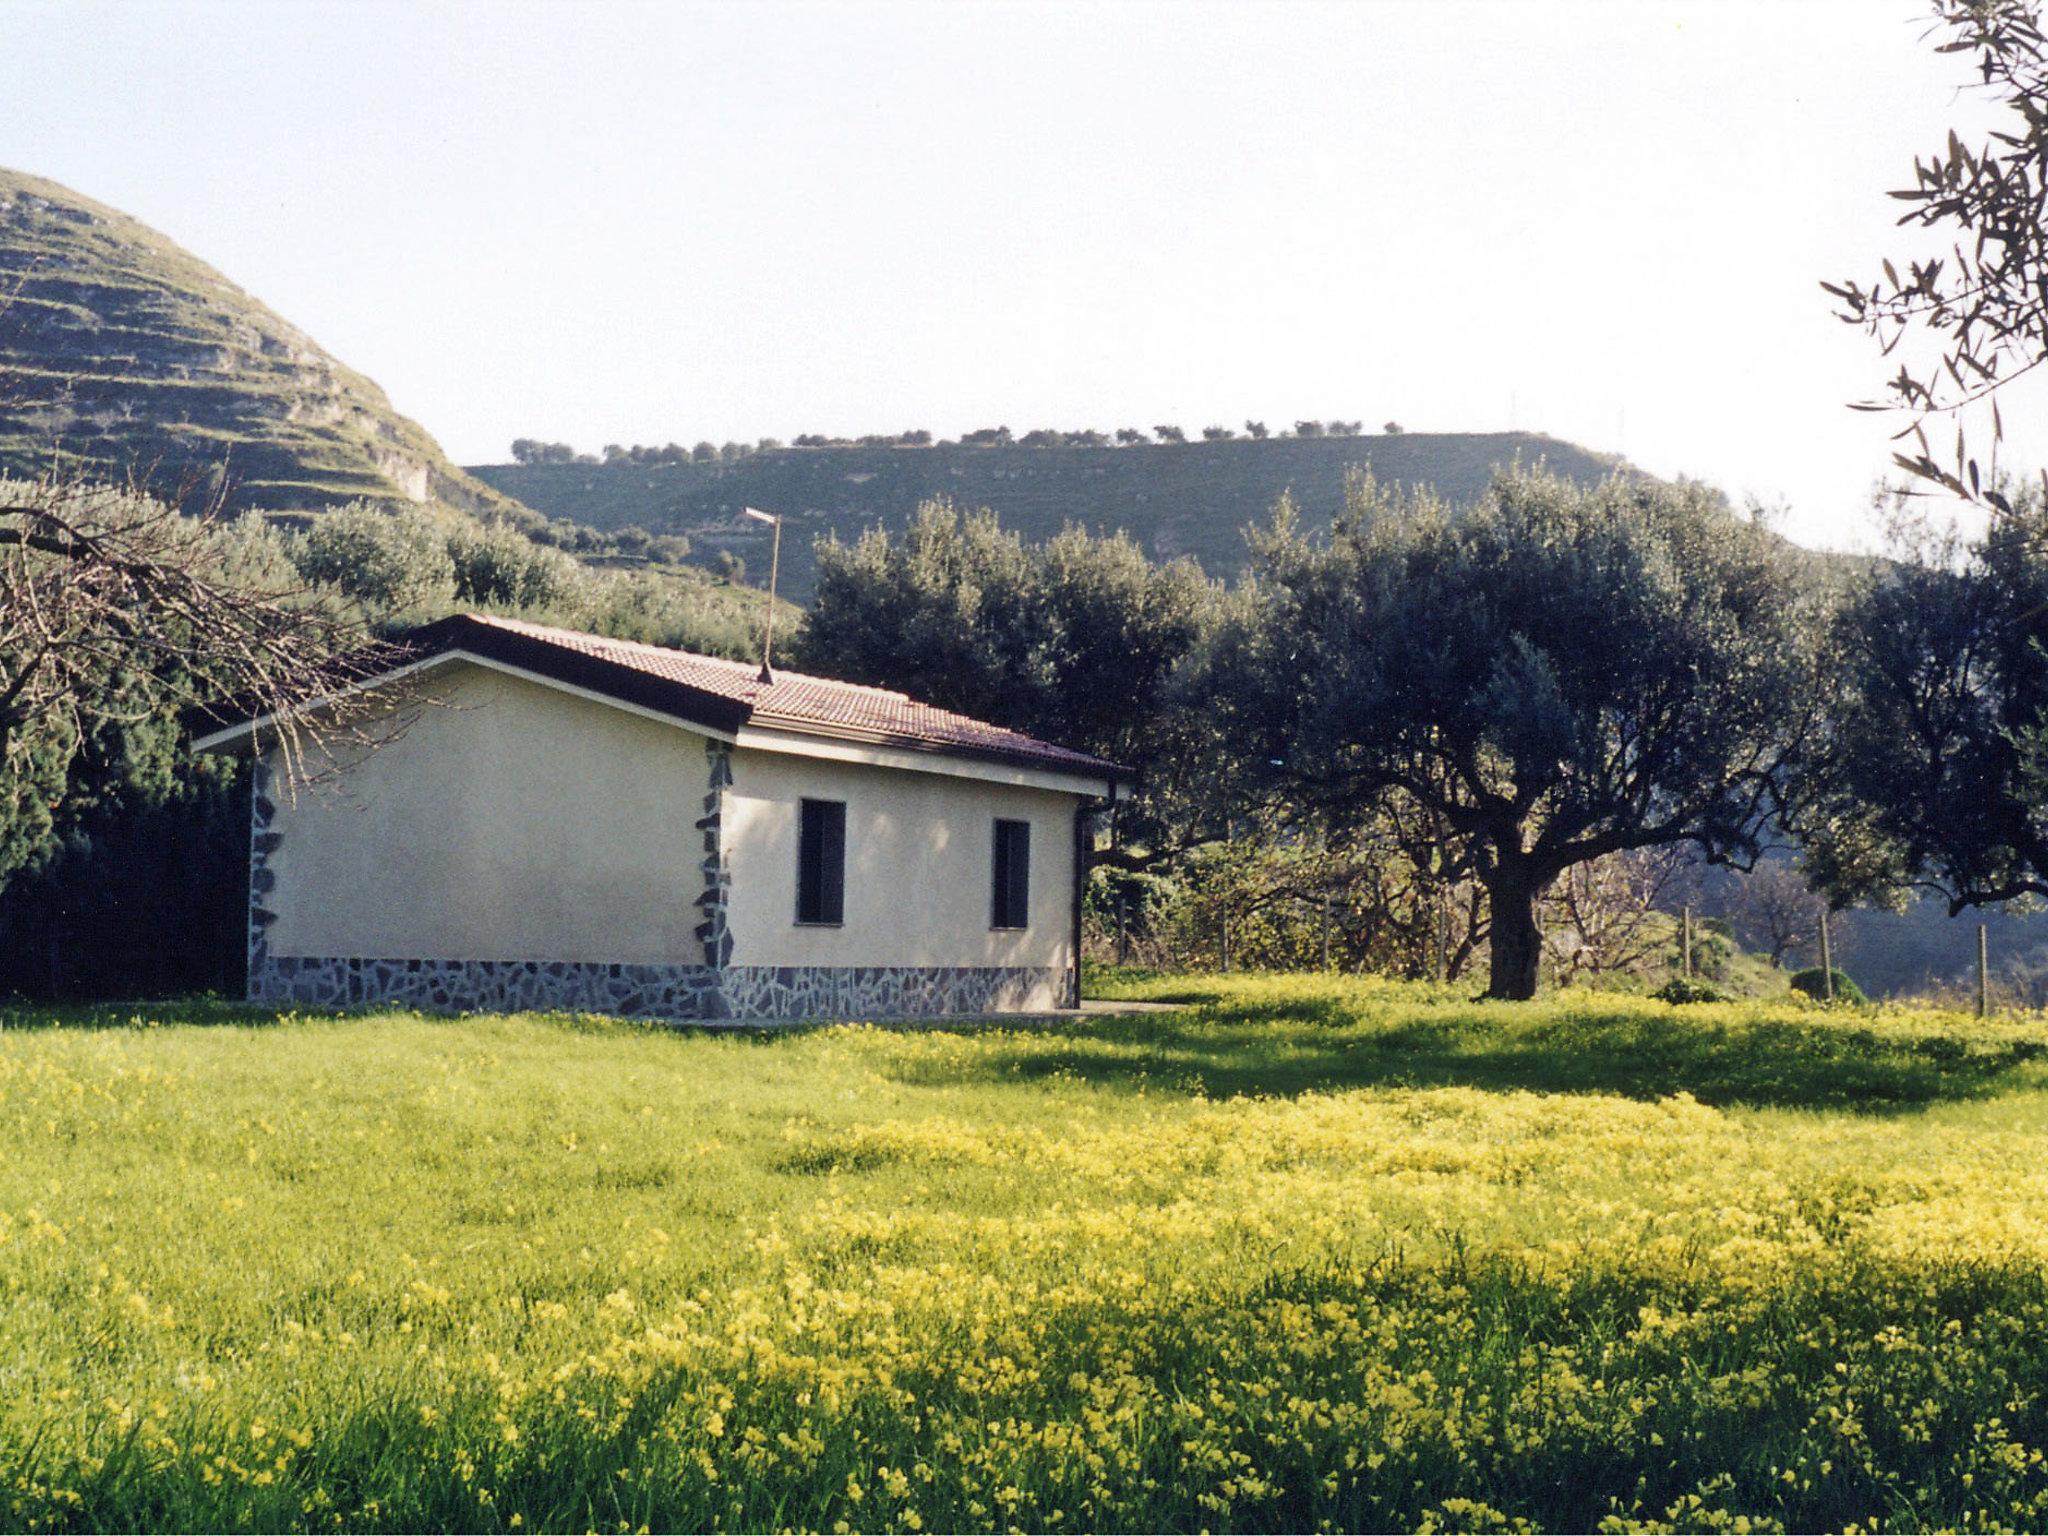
<point x="681" y="992"/>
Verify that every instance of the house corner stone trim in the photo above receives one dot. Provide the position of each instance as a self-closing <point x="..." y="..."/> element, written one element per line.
<point x="263" y="842"/>
<point x="716" y="897"/>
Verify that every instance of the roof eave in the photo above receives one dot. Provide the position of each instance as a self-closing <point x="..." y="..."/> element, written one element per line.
<point x="1077" y="764"/>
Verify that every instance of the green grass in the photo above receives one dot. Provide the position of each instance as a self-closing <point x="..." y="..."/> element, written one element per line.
<point x="1306" y="1253"/>
<point x="1246" y="1034"/>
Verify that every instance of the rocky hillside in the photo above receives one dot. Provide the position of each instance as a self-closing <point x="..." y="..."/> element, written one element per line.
<point x="124" y="354"/>
<point x="1174" y="498"/>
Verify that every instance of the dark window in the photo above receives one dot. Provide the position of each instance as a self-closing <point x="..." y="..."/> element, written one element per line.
<point x="821" y="862"/>
<point x="1011" y="903"/>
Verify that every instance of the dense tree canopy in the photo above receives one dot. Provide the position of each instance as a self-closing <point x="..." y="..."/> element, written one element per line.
<point x="1937" y="775"/>
<point x="1558" y="675"/>
<point x="1076" y="640"/>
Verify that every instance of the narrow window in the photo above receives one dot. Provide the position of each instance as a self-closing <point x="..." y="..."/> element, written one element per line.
<point x="1011" y="898"/>
<point x="821" y="862"/>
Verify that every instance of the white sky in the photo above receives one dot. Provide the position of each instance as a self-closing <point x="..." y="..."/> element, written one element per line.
<point x="616" y="222"/>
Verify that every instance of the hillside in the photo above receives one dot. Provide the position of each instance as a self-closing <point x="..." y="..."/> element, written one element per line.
<point x="1175" y="498"/>
<point x="130" y="356"/>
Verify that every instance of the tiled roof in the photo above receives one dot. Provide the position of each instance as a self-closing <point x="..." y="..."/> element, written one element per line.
<point x="709" y="690"/>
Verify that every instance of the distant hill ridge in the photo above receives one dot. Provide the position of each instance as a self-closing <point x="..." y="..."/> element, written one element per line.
<point x="1190" y="498"/>
<point x="125" y="354"/>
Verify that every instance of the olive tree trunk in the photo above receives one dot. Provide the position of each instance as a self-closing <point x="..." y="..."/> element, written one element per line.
<point x="1514" y="941"/>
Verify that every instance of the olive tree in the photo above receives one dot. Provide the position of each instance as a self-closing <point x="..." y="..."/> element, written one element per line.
<point x="393" y="560"/>
<point x="1937" y="778"/>
<point x="1557" y="675"/>
<point x="1077" y="639"/>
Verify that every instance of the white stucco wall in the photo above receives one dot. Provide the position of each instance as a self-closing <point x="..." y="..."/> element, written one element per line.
<point x="918" y="853"/>
<point x="523" y="823"/>
<point x="518" y="823"/>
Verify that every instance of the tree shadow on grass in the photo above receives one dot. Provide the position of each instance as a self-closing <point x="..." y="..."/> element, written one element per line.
<point x="1286" y="1047"/>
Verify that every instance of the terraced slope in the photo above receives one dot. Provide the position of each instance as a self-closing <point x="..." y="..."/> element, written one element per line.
<point x="125" y="354"/>
<point x="1174" y="498"/>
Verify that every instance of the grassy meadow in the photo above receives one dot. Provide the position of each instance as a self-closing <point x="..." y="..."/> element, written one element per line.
<point x="1309" y="1254"/>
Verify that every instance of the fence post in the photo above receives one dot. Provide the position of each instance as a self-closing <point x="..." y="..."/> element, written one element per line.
<point x="1226" y="938"/>
<point x="1326" y="930"/>
<point x="1123" y="888"/>
<point x="1983" y="973"/>
<point x="1827" y="961"/>
<point x="1688" y="943"/>
<point x="1443" y="935"/>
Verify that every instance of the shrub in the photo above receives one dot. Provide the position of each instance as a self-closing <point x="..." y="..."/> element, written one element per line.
<point x="1712" y="952"/>
<point x="1689" y="989"/>
<point x="1846" y="991"/>
<point x="497" y="566"/>
<point x="390" y="561"/>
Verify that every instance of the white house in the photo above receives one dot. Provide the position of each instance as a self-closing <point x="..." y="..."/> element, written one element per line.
<point x="583" y="823"/>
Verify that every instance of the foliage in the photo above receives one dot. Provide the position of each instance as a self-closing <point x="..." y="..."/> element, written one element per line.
<point x="1689" y="989"/>
<point x="1179" y="499"/>
<point x="1309" y="1256"/>
<point x="1366" y="905"/>
<point x="1074" y="640"/>
<point x="496" y="567"/>
<point x="392" y="560"/>
<point x="1714" y="949"/>
<point x="142" y="887"/>
<point x="527" y="450"/>
<point x="1291" y="903"/>
<point x="1560" y="675"/>
<point x="1937" y="768"/>
<point x="1979" y="313"/>
<point x="116" y="612"/>
<point x="406" y="565"/>
<point x="1601" y="918"/>
<point x="1813" y="982"/>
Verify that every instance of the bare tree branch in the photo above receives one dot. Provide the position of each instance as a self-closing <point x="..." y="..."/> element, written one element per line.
<point x="115" y="607"/>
